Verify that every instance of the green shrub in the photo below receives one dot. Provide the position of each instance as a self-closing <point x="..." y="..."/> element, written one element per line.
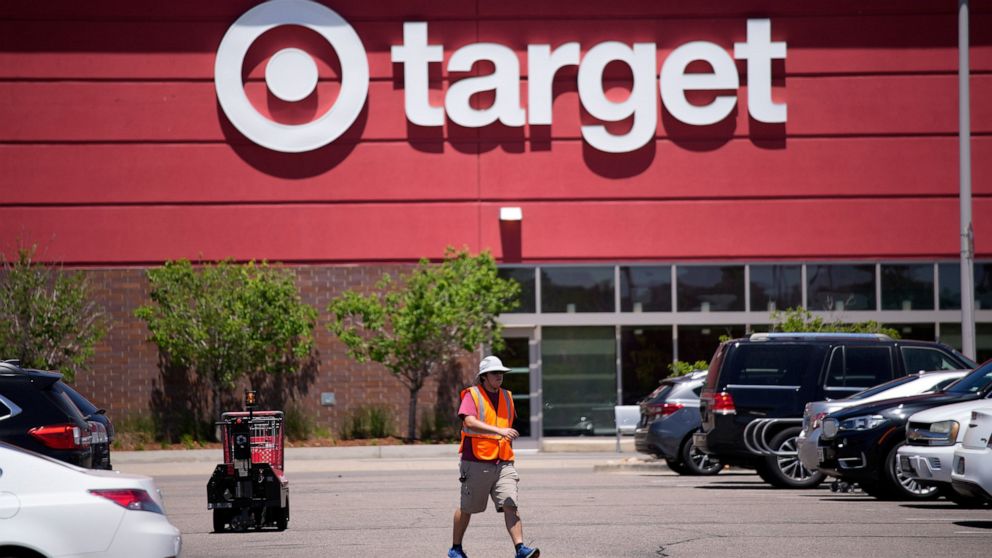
<point x="368" y="421"/>
<point x="135" y="431"/>
<point x="298" y="424"/>
<point x="435" y="426"/>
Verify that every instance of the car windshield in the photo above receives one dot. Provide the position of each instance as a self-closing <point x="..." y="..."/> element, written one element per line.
<point x="882" y="387"/>
<point x="975" y="382"/>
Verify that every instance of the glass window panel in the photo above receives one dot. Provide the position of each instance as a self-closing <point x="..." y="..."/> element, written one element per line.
<point x="841" y="287"/>
<point x="907" y="287"/>
<point x="983" y="286"/>
<point x="700" y="342"/>
<point x="921" y="332"/>
<point x="577" y="289"/>
<point x="863" y="367"/>
<point x="710" y="288"/>
<point x="950" y="286"/>
<point x="646" y="289"/>
<point x="776" y="287"/>
<point x="516" y="357"/>
<point x="950" y="334"/>
<point x="646" y="353"/>
<point x="525" y="277"/>
<point x="923" y="359"/>
<point x="579" y="380"/>
<point x="983" y="342"/>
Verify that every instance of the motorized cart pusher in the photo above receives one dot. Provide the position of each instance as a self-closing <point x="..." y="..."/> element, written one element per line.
<point x="250" y="489"/>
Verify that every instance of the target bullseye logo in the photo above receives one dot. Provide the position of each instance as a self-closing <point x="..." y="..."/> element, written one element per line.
<point x="291" y="75"/>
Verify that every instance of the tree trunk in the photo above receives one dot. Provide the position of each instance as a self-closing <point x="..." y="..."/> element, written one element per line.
<point x="411" y="431"/>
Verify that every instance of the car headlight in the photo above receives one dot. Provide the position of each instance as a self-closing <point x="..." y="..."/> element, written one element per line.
<point x="865" y="422"/>
<point x="943" y="433"/>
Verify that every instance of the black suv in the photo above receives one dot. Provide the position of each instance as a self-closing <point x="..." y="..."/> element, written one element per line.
<point x="37" y="414"/>
<point x="757" y="387"/>
<point x="860" y="444"/>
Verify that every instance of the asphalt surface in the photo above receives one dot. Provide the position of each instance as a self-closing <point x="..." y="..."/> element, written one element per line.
<point x="573" y="505"/>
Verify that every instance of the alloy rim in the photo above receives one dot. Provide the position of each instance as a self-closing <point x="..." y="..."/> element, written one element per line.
<point x="790" y="464"/>
<point x="704" y="462"/>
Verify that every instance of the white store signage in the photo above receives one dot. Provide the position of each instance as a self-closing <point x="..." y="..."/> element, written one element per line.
<point x="291" y="76"/>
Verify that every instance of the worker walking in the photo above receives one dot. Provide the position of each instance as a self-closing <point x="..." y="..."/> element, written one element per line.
<point x="486" y="467"/>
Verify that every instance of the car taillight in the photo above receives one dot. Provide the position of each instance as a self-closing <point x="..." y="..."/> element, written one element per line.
<point x="61" y="436"/>
<point x="723" y="404"/>
<point x="663" y="409"/>
<point x="130" y="498"/>
<point x="817" y="420"/>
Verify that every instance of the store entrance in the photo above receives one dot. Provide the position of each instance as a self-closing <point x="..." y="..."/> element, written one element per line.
<point x="520" y="356"/>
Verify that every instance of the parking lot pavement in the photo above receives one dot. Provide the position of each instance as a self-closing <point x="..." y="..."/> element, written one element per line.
<point x="402" y="507"/>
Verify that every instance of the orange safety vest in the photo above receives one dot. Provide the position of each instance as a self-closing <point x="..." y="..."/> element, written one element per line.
<point x="485" y="445"/>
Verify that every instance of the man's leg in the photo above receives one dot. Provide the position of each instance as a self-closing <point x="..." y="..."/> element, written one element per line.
<point x="460" y="525"/>
<point x="513" y="524"/>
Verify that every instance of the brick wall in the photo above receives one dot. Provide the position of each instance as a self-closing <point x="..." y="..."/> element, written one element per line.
<point x="124" y="375"/>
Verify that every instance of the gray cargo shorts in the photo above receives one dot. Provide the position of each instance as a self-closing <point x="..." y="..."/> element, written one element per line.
<point x="481" y="481"/>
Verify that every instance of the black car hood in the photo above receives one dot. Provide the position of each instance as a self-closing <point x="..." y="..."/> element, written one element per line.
<point x="904" y="406"/>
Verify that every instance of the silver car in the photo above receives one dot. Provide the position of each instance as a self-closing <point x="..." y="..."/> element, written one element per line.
<point x="914" y="384"/>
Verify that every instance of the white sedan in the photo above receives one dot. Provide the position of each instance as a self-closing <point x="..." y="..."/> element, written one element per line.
<point x="60" y="510"/>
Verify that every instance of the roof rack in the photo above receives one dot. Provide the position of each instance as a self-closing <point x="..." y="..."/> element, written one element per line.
<point x="819" y="335"/>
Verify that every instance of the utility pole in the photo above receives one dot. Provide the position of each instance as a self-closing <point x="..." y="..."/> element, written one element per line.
<point x="967" y="231"/>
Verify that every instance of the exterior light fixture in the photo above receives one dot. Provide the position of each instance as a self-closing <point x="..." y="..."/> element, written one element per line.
<point x="511" y="214"/>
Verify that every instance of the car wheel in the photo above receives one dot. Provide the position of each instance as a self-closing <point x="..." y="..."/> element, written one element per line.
<point x="676" y="466"/>
<point x="220" y="519"/>
<point x="784" y="470"/>
<point x="900" y="486"/>
<point x="698" y="463"/>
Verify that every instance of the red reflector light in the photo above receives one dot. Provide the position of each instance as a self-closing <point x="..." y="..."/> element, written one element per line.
<point x="663" y="409"/>
<point x="130" y="498"/>
<point x="723" y="403"/>
<point x="61" y="436"/>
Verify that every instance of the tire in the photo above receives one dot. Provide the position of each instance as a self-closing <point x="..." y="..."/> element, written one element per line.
<point x="676" y="466"/>
<point x="220" y="519"/>
<point x="786" y="471"/>
<point x="894" y="485"/>
<point x="282" y="517"/>
<point x="696" y="462"/>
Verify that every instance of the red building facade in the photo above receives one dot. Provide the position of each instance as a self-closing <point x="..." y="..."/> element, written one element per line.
<point x="117" y="153"/>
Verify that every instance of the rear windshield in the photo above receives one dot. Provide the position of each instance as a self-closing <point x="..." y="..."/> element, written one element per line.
<point x="659" y="394"/>
<point x="882" y="387"/>
<point x="974" y="382"/>
<point x="768" y="364"/>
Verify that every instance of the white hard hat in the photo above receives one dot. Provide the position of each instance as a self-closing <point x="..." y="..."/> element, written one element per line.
<point x="491" y="364"/>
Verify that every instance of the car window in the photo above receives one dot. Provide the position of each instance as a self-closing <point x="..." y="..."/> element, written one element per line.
<point x="976" y="381"/>
<point x="4" y="410"/>
<point x="660" y="393"/>
<point x="698" y="391"/>
<point x="768" y="365"/>
<point x="923" y="359"/>
<point x="859" y="366"/>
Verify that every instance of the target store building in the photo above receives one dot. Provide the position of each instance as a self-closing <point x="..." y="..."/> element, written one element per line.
<point x="655" y="174"/>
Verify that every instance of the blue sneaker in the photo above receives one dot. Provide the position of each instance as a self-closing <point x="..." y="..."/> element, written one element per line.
<point x="527" y="552"/>
<point x="455" y="553"/>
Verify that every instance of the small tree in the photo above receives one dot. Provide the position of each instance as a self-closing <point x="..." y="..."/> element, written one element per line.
<point x="794" y="320"/>
<point x="416" y="328"/>
<point x="225" y="321"/>
<point x="47" y="319"/>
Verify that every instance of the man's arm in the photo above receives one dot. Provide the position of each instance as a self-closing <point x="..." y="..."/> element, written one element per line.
<point x="474" y="423"/>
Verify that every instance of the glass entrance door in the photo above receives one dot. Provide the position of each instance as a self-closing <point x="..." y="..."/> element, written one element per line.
<point x="517" y="356"/>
